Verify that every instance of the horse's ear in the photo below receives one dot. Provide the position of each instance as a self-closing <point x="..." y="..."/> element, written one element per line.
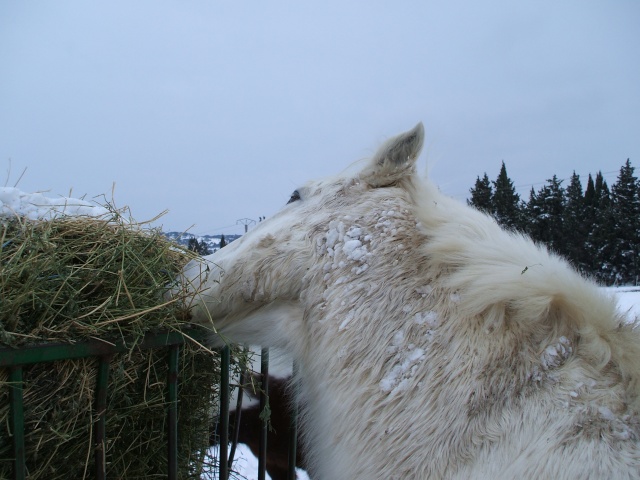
<point x="395" y="159"/>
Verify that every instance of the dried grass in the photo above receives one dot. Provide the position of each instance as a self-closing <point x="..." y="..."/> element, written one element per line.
<point x="77" y="278"/>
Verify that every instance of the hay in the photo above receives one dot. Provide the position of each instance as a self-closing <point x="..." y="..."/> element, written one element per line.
<point x="81" y="277"/>
<point x="76" y="278"/>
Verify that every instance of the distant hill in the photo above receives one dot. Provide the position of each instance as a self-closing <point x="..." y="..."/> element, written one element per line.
<point x="212" y="241"/>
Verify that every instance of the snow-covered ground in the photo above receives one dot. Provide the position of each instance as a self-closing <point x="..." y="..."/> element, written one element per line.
<point x="245" y="465"/>
<point x="628" y="300"/>
<point x="36" y="205"/>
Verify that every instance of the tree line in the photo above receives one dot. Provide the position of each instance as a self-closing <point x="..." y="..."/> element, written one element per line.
<point x="201" y="248"/>
<point x="597" y="228"/>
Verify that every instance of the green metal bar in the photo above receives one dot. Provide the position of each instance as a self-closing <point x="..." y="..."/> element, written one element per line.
<point x="264" y="399"/>
<point x="100" y="435"/>
<point x="236" y="426"/>
<point x="172" y="441"/>
<point x="225" y="361"/>
<point x="64" y="351"/>
<point x="17" y="422"/>
<point x="293" y="429"/>
<point x="15" y="358"/>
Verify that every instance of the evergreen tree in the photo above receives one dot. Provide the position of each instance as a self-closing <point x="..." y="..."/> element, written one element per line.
<point x="590" y="220"/>
<point x="589" y="193"/>
<point x="625" y="209"/>
<point x="204" y="248"/>
<point x="193" y="244"/>
<point x="598" y="231"/>
<point x="574" y="225"/>
<point x="602" y="234"/>
<point x="506" y="202"/>
<point x="482" y="195"/>
<point x="601" y="191"/>
<point x="586" y="264"/>
<point x="545" y="212"/>
<point x="201" y="248"/>
<point x="223" y="242"/>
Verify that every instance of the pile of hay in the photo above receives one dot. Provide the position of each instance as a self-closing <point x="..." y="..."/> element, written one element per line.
<point x="71" y="279"/>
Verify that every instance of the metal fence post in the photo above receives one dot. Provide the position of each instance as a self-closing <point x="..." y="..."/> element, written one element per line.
<point x="100" y="442"/>
<point x="293" y="428"/>
<point x="17" y="421"/>
<point x="224" y="413"/>
<point x="14" y="359"/>
<point x="172" y="413"/>
<point x="264" y="399"/>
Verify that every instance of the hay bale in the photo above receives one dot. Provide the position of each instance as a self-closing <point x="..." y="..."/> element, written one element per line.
<point x="70" y="279"/>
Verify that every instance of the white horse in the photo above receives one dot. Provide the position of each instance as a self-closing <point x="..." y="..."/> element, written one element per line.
<point x="431" y="343"/>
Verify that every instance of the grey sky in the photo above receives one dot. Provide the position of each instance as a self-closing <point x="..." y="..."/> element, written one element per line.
<point x="218" y="110"/>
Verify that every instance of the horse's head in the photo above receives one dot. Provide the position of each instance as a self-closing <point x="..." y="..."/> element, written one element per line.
<point x="253" y="289"/>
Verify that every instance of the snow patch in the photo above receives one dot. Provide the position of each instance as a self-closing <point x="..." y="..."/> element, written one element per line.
<point x="245" y="464"/>
<point x="424" y="291"/>
<point x="345" y="322"/>
<point x="429" y="318"/>
<point x="36" y="206"/>
<point x="353" y="249"/>
<point x="405" y="364"/>
<point x="554" y="355"/>
<point x="621" y="430"/>
<point x="346" y="247"/>
<point x="358" y="270"/>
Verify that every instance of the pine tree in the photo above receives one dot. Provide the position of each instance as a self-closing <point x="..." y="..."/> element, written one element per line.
<point x="545" y="212"/>
<point x="482" y="195"/>
<point x="589" y="193"/>
<point x="625" y="207"/>
<point x="223" y="242"/>
<point x="601" y="237"/>
<point x="204" y="248"/>
<point x="599" y="231"/>
<point x="574" y="226"/>
<point x="532" y="210"/>
<point x="193" y="244"/>
<point x="201" y="248"/>
<point x="590" y="222"/>
<point x="506" y="202"/>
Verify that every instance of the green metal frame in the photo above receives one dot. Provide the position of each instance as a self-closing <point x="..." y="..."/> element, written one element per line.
<point x="15" y="359"/>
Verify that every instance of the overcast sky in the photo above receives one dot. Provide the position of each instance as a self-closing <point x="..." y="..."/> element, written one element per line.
<point x="218" y="110"/>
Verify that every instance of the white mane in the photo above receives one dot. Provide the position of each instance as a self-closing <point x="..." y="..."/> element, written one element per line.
<point x="514" y="280"/>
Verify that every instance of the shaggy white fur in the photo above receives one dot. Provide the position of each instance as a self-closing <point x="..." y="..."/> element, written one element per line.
<point x="432" y="343"/>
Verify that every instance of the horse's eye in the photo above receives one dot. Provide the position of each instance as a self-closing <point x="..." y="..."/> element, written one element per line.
<point x="295" y="196"/>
